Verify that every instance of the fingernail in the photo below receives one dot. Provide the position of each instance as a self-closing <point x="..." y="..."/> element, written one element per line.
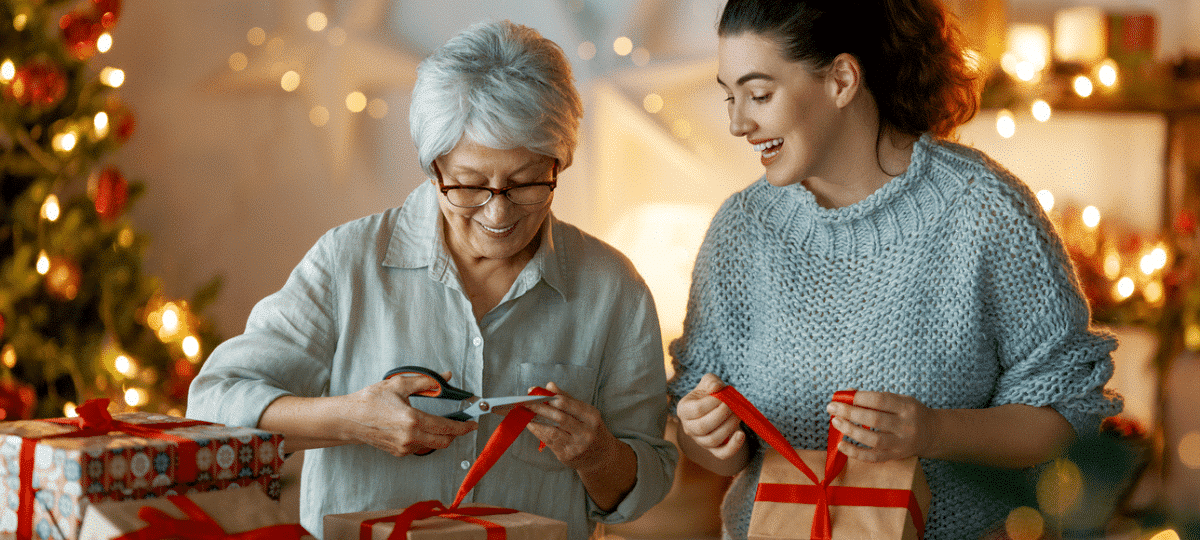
<point x="830" y="408"/>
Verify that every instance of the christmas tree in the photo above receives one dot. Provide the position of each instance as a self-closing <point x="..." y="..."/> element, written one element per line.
<point x="79" y="318"/>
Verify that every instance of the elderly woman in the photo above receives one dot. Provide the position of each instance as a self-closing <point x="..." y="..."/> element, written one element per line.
<point x="473" y="278"/>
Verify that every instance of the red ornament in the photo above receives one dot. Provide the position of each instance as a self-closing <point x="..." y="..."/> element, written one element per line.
<point x="1185" y="222"/>
<point x="80" y="31"/>
<point x="37" y="83"/>
<point x="120" y="120"/>
<point x="109" y="11"/>
<point x="111" y="194"/>
<point x="16" y="400"/>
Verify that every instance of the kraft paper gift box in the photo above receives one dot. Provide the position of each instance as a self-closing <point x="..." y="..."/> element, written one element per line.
<point x="812" y="494"/>
<point x="851" y="513"/>
<point x="248" y="512"/>
<point x="516" y="525"/>
<point x="53" y="469"/>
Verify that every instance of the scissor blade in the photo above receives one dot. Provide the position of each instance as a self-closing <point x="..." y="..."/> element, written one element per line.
<point x="484" y="406"/>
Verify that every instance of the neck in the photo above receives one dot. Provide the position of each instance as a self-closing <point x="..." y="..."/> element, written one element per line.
<point x="867" y="162"/>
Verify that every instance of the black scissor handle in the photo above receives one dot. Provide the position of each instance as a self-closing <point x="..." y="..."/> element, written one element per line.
<point x="443" y="391"/>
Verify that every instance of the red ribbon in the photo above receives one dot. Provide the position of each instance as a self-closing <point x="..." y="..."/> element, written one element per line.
<point x="820" y="493"/>
<point x="198" y="525"/>
<point x="508" y="430"/>
<point x="93" y="420"/>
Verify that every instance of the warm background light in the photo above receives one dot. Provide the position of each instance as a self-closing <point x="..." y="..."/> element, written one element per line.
<point x="622" y="46"/>
<point x="1083" y="86"/>
<point x="1006" y="125"/>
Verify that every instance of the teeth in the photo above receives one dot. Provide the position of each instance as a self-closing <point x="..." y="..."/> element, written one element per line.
<point x="769" y="144"/>
<point x="506" y="229"/>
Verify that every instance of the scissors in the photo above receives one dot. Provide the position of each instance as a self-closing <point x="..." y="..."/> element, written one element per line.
<point x="471" y="407"/>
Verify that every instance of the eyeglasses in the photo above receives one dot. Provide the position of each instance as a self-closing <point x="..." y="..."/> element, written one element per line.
<point x="522" y="194"/>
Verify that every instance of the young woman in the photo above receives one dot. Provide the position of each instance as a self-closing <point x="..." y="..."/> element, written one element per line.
<point x="876" y="255"/>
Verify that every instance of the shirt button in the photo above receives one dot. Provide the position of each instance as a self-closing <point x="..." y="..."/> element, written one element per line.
<point x="465" y="465"/>
<point x="477" y="341"/>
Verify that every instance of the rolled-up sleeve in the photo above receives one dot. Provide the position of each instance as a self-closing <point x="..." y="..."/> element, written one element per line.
<point x="285" y="350"/>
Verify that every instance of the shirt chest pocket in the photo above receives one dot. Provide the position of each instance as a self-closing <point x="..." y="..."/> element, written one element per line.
<point x="578" y="381"/>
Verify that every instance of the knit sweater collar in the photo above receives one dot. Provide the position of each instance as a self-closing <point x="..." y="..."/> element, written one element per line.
<point x="902" y="209"/>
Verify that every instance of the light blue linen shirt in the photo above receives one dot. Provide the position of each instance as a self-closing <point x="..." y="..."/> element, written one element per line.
<point x="382" y="292"/>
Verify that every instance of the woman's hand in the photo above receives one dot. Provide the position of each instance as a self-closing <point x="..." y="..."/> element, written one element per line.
<point x="577" y="435"/>
<point x="580" y="440"/>
<point x="708" y="421"/>
<point x="380" y="415"/>
<point x="900" y="426"/>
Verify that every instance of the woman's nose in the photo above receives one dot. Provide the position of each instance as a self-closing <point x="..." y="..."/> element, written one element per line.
<point x="739" y="124"/>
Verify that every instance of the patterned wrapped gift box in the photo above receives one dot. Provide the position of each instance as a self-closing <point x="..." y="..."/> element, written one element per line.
<point x="64" y="472"/>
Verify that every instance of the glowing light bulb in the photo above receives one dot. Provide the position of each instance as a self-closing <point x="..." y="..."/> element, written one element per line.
<point x="8" y="70"/>
<point x="43" y="263"/>
<point x="1046" y="199"/>
<point x="256" y="36"/>
<point x="1026" y="71"/>
<point x="1091" y="217"/>
<point x="1112" y="265"/>
<point x="238" y="61"/>
<point x="289" y="81"/>
<point x="1083" y="86"/>
<point x="1041" y="110"/>
<point x="1107" y="74"/>
<point x="317" y="21"/>
<point x="65" y="142"/>
<point x="1168" y="534"/>
<point x="652" y="103"/>
<point x="170" y="319"/>
<point x="9" y="356"/>
<point x="135" y="397"/>
<point x="1006" y="125"/>
<point x="191" y="346"/>
<point x="124" y="365"/>
<point x="1125" y="288"/>
<point x="69" y="410"/>
<point x="1153" y="292"/>
<point x="50" y="208"/>
<point x="100" y="124"/>
<point x="104" y="43"/>
<point x="586" y="50"/>
<point x="112" y="77"/>
<point x="356" y="102"/>
<point x="622" y="46"/>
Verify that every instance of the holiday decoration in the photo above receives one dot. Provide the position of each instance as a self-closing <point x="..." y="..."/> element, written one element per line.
<point x="38" y="83"/>
<point x="111" y="193"/>
<point x="81" y="319"/>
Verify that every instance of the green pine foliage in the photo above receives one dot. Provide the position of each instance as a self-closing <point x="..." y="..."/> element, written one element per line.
<point x="65" y="323"/>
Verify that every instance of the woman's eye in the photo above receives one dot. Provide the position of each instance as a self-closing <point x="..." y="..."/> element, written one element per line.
<point x="728" y="99"/>
<point x="761" y="99"/>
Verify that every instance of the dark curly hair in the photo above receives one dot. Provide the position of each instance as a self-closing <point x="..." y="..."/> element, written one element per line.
<point x="910" y="52"/>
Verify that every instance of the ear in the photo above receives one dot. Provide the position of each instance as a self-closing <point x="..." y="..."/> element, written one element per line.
<point x="437" y="173"/>
<point x="843" y="78"/>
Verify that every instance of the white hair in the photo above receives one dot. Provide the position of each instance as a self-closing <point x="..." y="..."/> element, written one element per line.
<point x="501" y="85"/>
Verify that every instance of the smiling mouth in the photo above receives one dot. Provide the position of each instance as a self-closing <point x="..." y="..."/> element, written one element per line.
<point x="504" y="230"/>
<point x="769" y="148"/>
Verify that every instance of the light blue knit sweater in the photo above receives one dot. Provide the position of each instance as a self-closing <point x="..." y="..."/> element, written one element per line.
<point x="947" y="284"/>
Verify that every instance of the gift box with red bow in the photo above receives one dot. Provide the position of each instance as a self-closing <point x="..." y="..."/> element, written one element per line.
<point x="430" y="520"/>
<point x="244" y="514"/>
<point x="467" y="522"/>
<point x="851" y="500"/>
<point x="53" y="469"/>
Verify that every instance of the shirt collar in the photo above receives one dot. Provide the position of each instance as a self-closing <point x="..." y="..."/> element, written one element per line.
<point x="416" y="242"/>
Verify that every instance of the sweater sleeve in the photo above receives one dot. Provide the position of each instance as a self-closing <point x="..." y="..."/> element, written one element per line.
<point x="1039" y="320"/>
<point x="707" y="337"/>
<point x="286" y="349"/>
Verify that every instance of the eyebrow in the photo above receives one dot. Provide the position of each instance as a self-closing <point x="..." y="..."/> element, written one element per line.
<point x="748" y="77"/>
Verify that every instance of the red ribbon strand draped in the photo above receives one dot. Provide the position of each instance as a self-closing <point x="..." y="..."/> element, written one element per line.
<point x="93" y="420"/>
<point x="820" y="493"/>
<point x="198" y="525"/>
<point x="508" y="430"/>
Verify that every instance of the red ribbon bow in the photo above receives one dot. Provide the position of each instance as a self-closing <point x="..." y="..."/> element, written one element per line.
<point x="198" y="525"/>
<point x="820" y="493"/>
<point x="508" y="430"/>
<point x="93" y="420"/>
